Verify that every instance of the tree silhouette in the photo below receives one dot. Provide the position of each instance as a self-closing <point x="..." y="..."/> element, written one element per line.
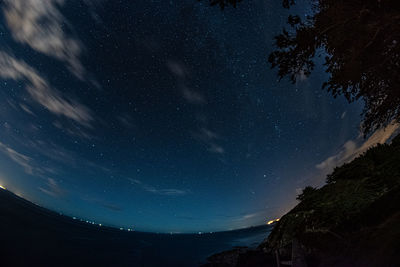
<point x="360" y="39"/>
<point x="361" y="43"/>
<point x="307" y="192"/>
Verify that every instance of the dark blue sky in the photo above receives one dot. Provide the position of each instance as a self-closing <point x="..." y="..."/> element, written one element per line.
<point x="160" y="116"/>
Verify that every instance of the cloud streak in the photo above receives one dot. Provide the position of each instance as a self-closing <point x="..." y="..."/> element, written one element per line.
<point x="41" y="92"/>
<point x="29" y="165"/>
<point x="110" y="206"/>
<point x="209" y="138"/>
<point x="180" y="71"/>
<point x="39" y="24"/>
<point x="177" y="68"/>
<point x="103" y="203"/>
<point x="157" y="191"/>
<point x="192" y="96"/>
<point x="351" y="149"/>
<point x="53" y="189"/>
<point x="245" y="218"/>
<point x="203" y="134"/>
<point x="24" y="161"/>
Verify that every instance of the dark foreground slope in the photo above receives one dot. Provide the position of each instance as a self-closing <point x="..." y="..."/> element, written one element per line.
<point x="354" y="220"/>
<point x="33" y="236"/>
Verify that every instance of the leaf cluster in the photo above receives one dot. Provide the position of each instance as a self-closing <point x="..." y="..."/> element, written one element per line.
<point x="360" y="40"/>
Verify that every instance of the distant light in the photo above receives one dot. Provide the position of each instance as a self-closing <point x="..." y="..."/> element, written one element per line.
<point x="99" y="224"/>
<point x="2" y="187"/>
<point x="272" y="221"/>
<point x="121" y="229"/>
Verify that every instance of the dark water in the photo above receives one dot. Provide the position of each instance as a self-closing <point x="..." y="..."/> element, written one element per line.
<point x="192" y="250"/>
<point x="33" y="236"/>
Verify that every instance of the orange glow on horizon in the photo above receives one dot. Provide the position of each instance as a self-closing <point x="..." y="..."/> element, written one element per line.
<point x="272" y="221"/>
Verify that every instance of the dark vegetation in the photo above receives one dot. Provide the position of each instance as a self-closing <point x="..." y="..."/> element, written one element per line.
<point x="360" y="199"/>
<point x="351" y="221"/>
<point x="360" y="40"/>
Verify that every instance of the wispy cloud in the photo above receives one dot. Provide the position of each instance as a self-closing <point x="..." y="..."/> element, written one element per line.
<point x="159" y="191"/>
<point x="167" y="192"/>
<point x="244" y="217"/>
<point x="177" y="68"/>
<point x="29" y="165"/>
<point x="110" y="206"/>
<point x="214" y="148"/>
<point x="209" y="138"/>
<point x="26" y="109"/>
<point x="55" y="153"/>
<point x="41" y="92"/>
<point x="181" y="73"/>
<point x="52" y="151"/>
<point x="249" y="216"/>
<point x="53" y="188"/>
<point x="126" y="120"/>
<point x="203" y="134"/>
<point x="353" y="148"/>
<point x="93" y="5"/>
<point x="73" y="130"/>
<point x="103" y="203"/>
<point x="24" y="161"/>
<point x="192" y="96"/>
<point x="39" y="24"/>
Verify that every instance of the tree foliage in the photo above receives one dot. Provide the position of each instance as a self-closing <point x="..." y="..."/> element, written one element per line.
<point x="361" y="41"/>
<point x="362" y="192"/>
<point x="307" y="193"/>
<point x="380" y="163"/>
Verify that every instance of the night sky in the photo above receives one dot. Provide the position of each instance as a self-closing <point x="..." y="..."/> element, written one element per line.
<point x="161" y="116"/>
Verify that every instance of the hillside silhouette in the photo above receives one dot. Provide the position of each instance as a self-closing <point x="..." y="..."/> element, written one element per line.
<point x="351" y="221"/>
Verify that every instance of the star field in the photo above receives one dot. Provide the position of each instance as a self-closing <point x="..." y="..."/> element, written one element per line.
<point x="159" y="116"/>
